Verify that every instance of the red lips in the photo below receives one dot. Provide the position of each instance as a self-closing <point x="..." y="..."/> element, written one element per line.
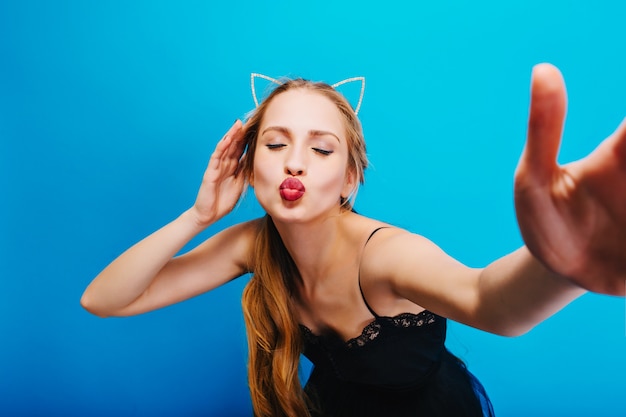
<point x="291" y="189"/>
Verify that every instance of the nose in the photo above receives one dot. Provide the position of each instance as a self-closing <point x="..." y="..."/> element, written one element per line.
<point x="295" y="164"/>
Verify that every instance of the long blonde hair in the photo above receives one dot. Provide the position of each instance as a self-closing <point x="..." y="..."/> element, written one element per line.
<point x="274" y="342"/>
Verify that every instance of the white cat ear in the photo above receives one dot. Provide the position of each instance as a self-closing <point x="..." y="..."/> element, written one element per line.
<point x="253" y="76"/>
<point x="350" y="80"/>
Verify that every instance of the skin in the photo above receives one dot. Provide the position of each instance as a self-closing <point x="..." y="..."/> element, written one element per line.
<point x="400" y="271"/>
<point x="298" y="131"/>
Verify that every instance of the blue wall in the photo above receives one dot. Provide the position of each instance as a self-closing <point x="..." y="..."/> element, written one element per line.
<point x="109" y="112"/>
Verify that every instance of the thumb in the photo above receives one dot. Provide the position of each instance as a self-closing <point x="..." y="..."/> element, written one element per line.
<point x="548" y="104"/>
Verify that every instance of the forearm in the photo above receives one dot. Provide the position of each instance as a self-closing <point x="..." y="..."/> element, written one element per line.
<point x="517" y="292"/>
<point x="129" y="275"/>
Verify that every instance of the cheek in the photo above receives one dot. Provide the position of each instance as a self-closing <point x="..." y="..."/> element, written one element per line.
<point x="260" y="171"/>
<point x="332" y="181"/>
<point x="260" y="184"/>
<point x="257" y="168"/>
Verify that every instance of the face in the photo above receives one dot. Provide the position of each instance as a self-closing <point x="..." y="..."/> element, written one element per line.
<point x="300" y="167"/>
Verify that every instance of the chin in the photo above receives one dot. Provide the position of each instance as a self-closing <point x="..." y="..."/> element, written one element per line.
<point x="302" y="217"/>
<point x="300" y="211"/>
<point x="288" y="215"/>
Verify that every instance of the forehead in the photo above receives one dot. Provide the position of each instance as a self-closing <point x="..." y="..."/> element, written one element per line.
<point x="304" y="109"/>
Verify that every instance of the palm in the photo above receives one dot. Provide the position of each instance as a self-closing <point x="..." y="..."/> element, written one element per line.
<point x="223" y="183"/>
<point x="572" y="217"/>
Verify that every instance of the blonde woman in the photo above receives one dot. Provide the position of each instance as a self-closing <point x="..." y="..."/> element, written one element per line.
<point x="367" y="302"/>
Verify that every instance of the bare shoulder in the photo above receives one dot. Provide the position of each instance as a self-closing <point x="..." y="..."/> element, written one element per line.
<point x="389" y="248"/>
<point x="409" y="265"/>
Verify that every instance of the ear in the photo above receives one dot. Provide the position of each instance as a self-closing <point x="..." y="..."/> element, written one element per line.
<point x="361" y="91"/>
<point x="350" y="184"/>
<point x="253" y="78"/>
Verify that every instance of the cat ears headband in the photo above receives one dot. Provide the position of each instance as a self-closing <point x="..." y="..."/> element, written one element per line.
<point x="275" y="81"/>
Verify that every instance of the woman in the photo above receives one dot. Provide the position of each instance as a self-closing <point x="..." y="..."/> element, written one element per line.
<point x="366" y="301"/>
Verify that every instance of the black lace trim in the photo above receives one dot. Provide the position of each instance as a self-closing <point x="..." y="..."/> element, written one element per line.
<point x="369" y="333"/>
<point x="414" y="320"/>
<point x="372" y="330"/>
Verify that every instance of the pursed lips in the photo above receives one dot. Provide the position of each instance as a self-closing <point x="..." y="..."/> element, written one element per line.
<point x="291" y="189"/>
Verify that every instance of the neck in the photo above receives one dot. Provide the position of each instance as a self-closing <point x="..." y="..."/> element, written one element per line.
<point x="314" y="246"/>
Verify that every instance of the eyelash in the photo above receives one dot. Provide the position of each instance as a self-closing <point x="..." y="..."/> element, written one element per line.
<point x="276" y="146"/>
<point x="322" y="151"/>
<point x="272" y="146"/>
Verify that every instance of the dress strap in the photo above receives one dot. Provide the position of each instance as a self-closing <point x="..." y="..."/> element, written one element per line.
<point x="359" y="279"/>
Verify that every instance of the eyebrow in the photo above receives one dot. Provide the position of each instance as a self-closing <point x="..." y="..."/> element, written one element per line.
<point x="311" y="132"/>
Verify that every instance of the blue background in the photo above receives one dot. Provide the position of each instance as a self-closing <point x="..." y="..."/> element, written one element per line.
<point x="109" y="112"/>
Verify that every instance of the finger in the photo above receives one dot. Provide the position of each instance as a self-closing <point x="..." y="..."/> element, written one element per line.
<point x="236" y="151"/>
<point x="237" y="144"/>
<point x="545" y="123"/>
<point x="233" y="129"/>
<point x="228" y="137"/>
<point x="232" y="160"/>
<point x="221" y="150"/>
<point x="232" y="163"/>
<point x="610" y="153"/>
<point x="619" y="141"/>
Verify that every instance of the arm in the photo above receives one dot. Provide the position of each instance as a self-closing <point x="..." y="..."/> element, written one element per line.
<point x="517" y="292"/>
<point x="572" y="219"/>
<point x="146" y="276"/>
<point x="508" y="297"/>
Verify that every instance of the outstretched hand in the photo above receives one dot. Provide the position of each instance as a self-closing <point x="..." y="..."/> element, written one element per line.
<point x="572" y="217"/>
<point x="223" y="182"/>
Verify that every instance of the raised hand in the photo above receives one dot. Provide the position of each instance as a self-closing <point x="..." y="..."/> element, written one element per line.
<point x="572" y="217"/>
<point x="223" y="182"/>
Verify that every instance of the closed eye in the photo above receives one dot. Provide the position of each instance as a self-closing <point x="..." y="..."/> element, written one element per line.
<point x="322" y="151"/>
<point x="275" y="145"/>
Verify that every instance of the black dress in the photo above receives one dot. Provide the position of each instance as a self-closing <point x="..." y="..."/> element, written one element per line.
<point x="398" y="367"/>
